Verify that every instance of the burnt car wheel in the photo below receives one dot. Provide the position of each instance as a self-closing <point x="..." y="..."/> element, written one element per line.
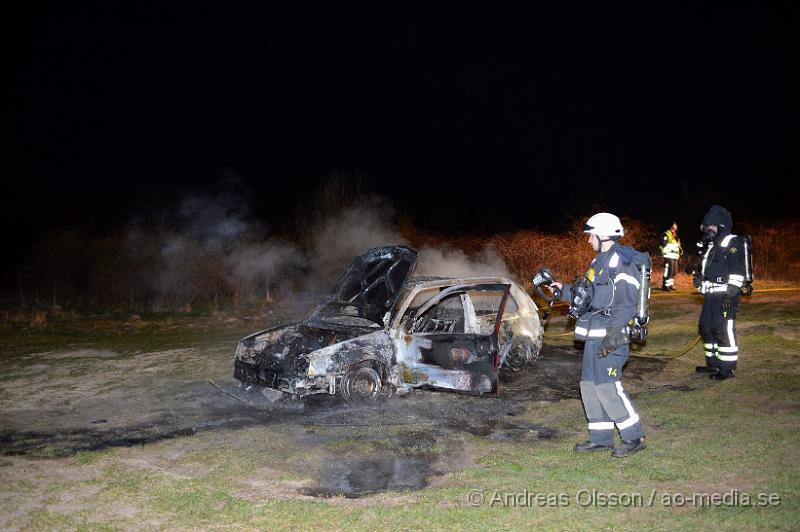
<point x="362" y="384"/>
<point x="521" y="353"/>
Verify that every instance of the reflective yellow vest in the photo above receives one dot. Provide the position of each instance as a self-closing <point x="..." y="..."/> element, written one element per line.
<point x="672" y="249"/>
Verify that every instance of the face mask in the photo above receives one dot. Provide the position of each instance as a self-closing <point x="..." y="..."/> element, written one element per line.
<point x="708" y="234"/>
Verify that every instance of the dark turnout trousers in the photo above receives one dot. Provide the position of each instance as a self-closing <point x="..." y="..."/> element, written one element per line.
<point x="668" y="280"/>
<point x="604" y="399"/>
<point x="719" y="332"/>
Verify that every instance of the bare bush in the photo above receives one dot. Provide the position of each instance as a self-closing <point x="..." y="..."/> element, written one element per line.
<point x="776" y="250"/>
<point x="39" y="319"/>
<point x="212" y="257"/>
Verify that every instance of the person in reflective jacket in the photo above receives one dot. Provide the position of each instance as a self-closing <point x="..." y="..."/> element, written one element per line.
<point x="720" y="280"/>
<point x="611" y="286"/>
<point x="671" y="251"/>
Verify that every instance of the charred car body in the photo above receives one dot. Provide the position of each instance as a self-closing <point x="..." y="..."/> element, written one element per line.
<point x="382" y="330"/>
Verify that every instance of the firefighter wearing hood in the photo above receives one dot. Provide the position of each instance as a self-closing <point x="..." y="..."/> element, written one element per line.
<point x="604" y="302"/>
<point x="720" y="280"/>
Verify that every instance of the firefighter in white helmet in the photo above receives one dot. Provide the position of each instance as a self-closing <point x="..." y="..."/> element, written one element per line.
<point x="604" y="302"/>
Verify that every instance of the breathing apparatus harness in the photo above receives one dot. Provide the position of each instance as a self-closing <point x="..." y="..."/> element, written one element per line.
<point x="707" y="240"/>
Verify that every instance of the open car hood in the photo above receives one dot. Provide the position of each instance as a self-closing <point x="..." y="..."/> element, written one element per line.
<point x="371" y="286"/>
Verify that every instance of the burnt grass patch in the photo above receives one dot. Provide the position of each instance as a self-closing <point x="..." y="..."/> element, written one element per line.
<point x="405" y="440"/>
<point x="554" y="377"/>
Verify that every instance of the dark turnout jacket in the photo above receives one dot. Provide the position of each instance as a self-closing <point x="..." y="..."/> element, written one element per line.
<point x="615" y="280"/>
<point x="723" y="266"/>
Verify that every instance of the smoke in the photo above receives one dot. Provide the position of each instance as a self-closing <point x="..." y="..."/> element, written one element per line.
<point x="212" y="248"/>
<point x="268" y="261"/>
<point x="341" y="236"/>
<point x="452" y="262"/>
<point x="209" y="248"/>
<point x="177" y="272"/>
<point x="217" y="220"/>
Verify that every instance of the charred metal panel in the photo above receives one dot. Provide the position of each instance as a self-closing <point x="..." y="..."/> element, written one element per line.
<point x="449" y="357"/>
<point x="278" y="357"/>
<point x="337" y="359"/>
<point x="524" y="320"/>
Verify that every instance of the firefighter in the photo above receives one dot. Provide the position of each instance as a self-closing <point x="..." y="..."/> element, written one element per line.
<point x="671" y="251"/>
<point x="612" y="287"/>
<point x="720" y="280"/>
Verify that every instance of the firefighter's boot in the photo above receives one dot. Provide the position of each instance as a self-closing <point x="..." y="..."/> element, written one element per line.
<point x="627" y="448"/>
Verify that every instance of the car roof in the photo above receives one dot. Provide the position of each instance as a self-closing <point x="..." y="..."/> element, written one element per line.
<point x="432" y="282"/>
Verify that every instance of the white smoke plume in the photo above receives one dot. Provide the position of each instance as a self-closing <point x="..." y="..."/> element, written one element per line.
<point x="212" y="244"/>
<point x="453" y="262"/>
<point x="343" y="236"/>
<point x="218" y="220"/>
<point x="266" y="261"/>
<point x="340" y="238"/>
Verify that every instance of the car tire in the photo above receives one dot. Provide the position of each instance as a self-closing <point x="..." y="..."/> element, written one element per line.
<point x="522" y="353"/>
<point x="362" y="384"/>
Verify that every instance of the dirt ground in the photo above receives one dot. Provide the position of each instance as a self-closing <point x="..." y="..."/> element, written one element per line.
<point x="62" y="402"/>
<point x="118" y="424"/>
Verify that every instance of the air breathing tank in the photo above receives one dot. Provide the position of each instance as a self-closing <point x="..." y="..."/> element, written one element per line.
<point x="747" y="248"/>
<point x="642" y="316"/>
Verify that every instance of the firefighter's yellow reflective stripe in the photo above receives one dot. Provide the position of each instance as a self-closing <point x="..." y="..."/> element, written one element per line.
<point x="630" y="279"/>
<point x="735" y="282"/>
<point x="709" y="353"/>
<point x="633" y="416"/>
<point x="735" y="277"/>
<point x="613" y="261"/>
<point x="727" y="240"/>
<point x="728" y="358"/>
<point x="732" y="349"/>
<point x="601" y="425"/>
<point x="590" y="274"/>
<point x="709" y="346"/>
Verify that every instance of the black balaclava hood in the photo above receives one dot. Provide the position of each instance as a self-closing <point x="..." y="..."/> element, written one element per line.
<point x="720" y="217"/>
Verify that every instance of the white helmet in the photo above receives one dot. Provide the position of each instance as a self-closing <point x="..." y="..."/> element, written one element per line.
<point x="604" y="224"/>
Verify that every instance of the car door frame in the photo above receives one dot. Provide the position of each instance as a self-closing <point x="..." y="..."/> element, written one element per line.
<point x="456" y="379"/>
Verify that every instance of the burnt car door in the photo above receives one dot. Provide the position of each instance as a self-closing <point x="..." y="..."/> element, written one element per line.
<point x="452" y="339"/>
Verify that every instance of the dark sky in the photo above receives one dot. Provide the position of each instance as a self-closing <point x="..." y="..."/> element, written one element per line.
<point x="467" y="119"/>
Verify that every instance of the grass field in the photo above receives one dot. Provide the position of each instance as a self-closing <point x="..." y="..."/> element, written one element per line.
<point x="713" y="447"/>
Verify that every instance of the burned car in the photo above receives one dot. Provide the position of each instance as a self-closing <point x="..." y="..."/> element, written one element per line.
<point x="381" y="330"/>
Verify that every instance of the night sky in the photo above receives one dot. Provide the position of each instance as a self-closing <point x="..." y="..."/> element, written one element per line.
<point x="469" y="120"/>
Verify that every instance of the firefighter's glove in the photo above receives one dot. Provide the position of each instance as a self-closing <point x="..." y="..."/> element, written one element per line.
<point x="613" y="339"/>
<point x="729" y="299"/>
<point x="726" y="305"/>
